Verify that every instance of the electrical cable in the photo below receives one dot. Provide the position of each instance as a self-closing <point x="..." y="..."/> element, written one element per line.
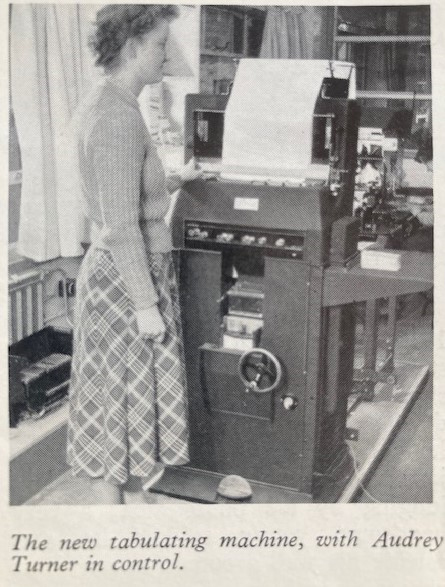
<point x="362" y="487"/>
<point x="64" y="295"/>
<point x="350" y="452"/>
<point x="334" y="467"/>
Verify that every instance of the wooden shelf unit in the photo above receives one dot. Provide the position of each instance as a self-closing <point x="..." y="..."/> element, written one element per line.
<point x="345" y="43"/>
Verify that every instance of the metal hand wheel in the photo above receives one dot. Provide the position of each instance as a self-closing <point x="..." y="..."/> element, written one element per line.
<point x="260" y="371"/>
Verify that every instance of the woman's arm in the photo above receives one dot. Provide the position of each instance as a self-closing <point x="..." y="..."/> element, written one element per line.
<point x="188" y="173"/>
<point x="173" y="183"/>
<point x="118" y="149"/>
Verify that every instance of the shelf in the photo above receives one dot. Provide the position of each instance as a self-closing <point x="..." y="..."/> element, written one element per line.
<point x="393" y="95"/>
<point x="366" y="158"/>
<point x="382" y="39"/>
<point x="210" y="53"/>
<point x="356" y="284"/>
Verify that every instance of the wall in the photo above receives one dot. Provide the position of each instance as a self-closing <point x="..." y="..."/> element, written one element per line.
<point x="15" y="165"/>
<point x="15" y="186"/>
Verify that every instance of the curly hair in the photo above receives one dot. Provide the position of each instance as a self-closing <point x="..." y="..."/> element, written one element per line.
<point x="116" y="23"/>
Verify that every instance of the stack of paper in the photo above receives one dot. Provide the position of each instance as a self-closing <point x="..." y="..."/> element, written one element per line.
<point x="383" y="260"/>
<point x="269" y="117"/>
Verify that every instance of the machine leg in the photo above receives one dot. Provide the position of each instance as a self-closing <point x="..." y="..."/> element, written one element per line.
<point x="391" y="334"/>
<point x="371" y="331"/>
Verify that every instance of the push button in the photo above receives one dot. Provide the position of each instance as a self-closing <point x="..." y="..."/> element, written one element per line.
<point x="248" y="239"/>
<point x="225" y="237"/>
<point x="289" y="402"/>
<point x="193" y="232"/>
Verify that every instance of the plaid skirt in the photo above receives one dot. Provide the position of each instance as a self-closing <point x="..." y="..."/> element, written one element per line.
<point x="128" y="404"/>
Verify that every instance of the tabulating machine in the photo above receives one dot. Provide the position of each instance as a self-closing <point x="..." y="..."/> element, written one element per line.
<point x="263" y="250"/>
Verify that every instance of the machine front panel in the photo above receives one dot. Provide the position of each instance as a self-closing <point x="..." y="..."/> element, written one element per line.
<point x="217" y="237"/>
<point x="215" y="211"/>
<point x="234" y="431"/>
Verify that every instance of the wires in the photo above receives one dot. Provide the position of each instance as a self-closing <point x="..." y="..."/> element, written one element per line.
<point x="65" y="314"/>
<point x="356" y="471"/>
<point x="343" y="456"/>
<point x="334" y="467"/>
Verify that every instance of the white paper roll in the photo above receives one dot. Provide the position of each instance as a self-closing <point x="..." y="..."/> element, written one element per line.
<point x="269" y="117"/>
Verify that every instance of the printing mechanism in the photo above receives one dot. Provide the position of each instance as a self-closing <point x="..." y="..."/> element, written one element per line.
<point x="264" y="253"/>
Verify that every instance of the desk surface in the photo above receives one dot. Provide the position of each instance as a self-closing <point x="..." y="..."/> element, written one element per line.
<point x="355" y="284"/>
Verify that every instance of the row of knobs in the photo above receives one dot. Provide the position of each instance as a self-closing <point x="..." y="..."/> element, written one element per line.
<point x="228" y="237"/>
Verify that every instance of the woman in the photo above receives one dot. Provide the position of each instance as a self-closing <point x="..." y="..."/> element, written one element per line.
<point x="127" y="395"/>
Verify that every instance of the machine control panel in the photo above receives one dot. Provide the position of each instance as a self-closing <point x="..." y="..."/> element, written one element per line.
<point x="273" y="242"/>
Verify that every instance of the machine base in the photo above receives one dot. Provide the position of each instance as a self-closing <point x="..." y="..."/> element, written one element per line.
<point x="201" y="486"/>
<point x="377" y="423"/>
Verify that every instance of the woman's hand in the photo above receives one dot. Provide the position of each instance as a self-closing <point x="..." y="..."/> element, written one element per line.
<point x="186" y="173"/>
<point x="150" y="324"/>
<point x="189" y="172"/>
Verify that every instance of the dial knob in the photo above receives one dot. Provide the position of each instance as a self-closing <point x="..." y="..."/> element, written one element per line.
<point x="289" y="402"/>
<point x="262" y="240"/>
<point x="247" y="239"/>
<point x="225" y="237"/>
<point x="280" y="242"/>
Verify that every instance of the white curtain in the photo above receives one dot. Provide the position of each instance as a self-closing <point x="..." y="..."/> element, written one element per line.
<point x="289" y="33"/>
<point x="50" y="70"/>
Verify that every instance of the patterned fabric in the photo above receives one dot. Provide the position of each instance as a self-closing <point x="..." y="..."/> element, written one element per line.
<point x="127" y="395"/>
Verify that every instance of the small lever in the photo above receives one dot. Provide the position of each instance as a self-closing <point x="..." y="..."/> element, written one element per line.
<point x="289" y="402"/>
<point x="254" y="385"/>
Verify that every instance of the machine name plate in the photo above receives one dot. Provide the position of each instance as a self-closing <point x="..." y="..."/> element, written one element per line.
<point x="246" y="204"/>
